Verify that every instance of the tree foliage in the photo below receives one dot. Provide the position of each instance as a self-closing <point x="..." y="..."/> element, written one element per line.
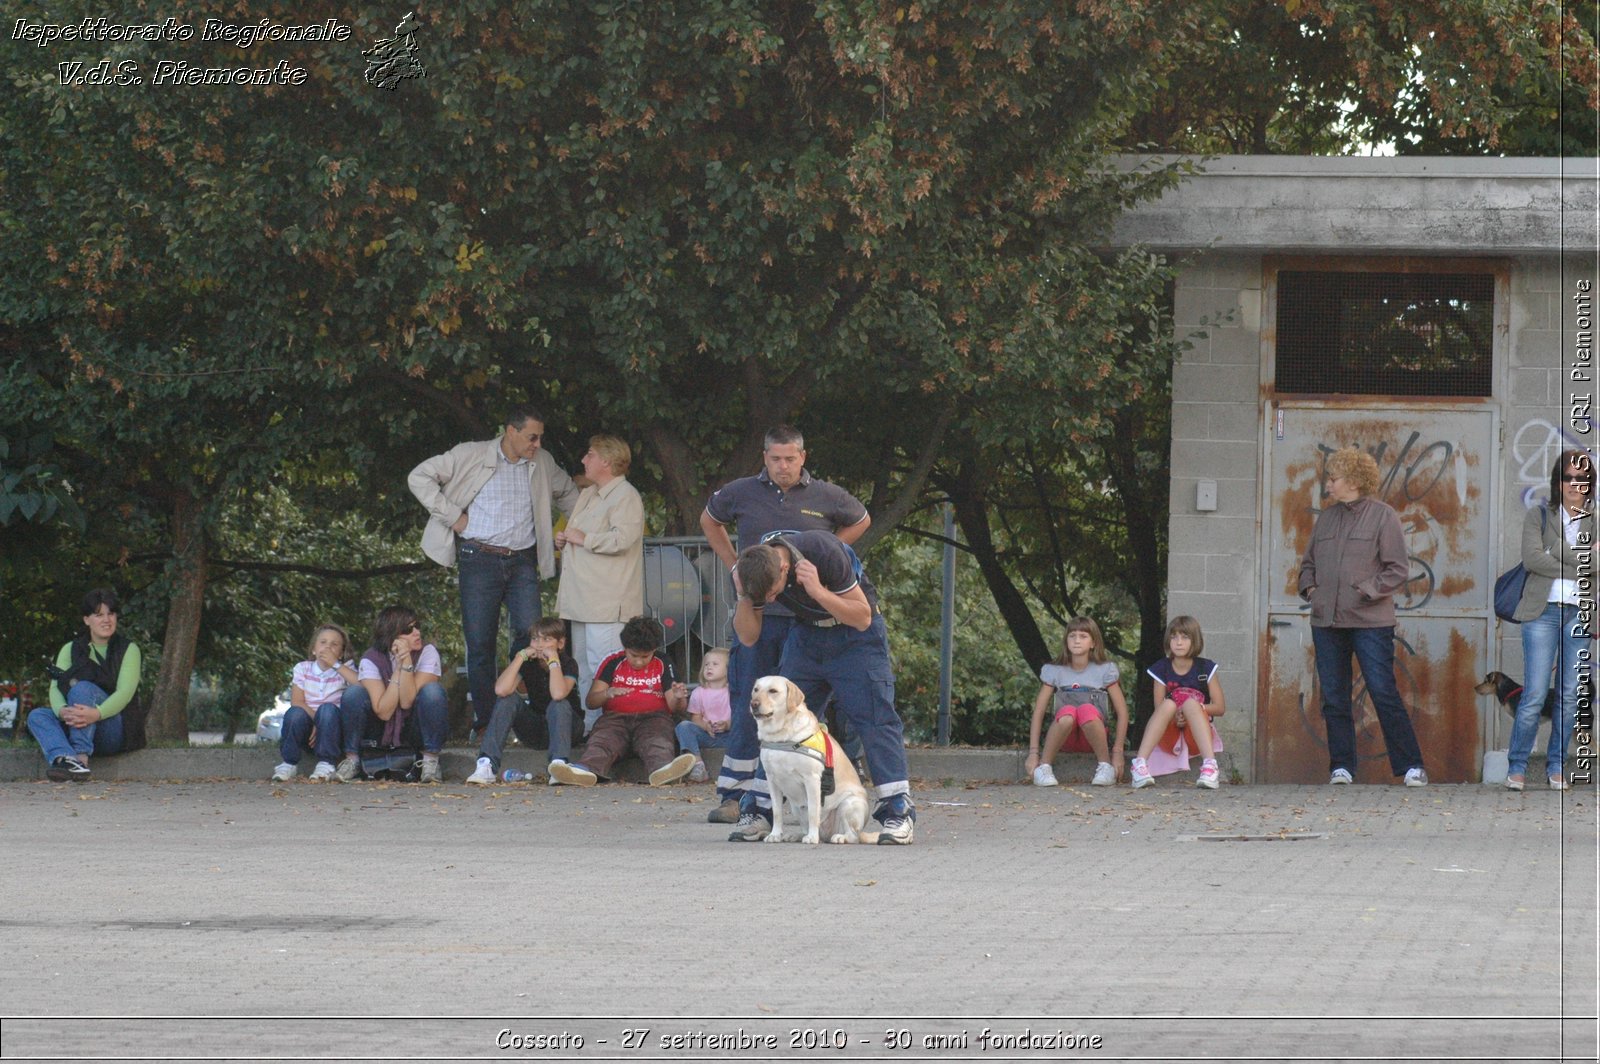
<point x="1430" y="77"/>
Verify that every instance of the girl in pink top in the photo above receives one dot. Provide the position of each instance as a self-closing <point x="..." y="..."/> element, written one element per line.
<point x="710" y="715"/>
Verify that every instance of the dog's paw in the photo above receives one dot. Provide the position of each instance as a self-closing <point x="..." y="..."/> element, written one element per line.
<point x="774" y="836"/>
<point x="810" y="838"/>
<point x="841" y="839"/>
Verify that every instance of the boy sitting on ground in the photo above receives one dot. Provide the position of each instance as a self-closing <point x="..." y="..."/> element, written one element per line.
<point x="637" y="693"/>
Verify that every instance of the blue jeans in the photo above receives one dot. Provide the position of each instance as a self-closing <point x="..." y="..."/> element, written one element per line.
<point x="487" y="582"/>
<point x="740" y="775"/>
<point x="691" y="737"/>
<point x="854" y="667"/>
<point x="427" y="723"/>
<point x="1553" y="641"/>
<point x="57" y="740"/>
<point x="1374" y="651"/>
<point x="297" y="724"/>
<point x="513" y="711"/>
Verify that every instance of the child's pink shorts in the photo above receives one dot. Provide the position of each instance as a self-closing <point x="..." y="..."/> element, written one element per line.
<point x="1082" y="714"/>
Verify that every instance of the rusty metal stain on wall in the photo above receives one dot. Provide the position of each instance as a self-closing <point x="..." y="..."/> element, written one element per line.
<point x="1435" y="659"/>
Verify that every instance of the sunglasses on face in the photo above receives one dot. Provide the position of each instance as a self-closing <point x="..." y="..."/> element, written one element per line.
<point x="408" y="629"/>
<point x="1582" y="480"/>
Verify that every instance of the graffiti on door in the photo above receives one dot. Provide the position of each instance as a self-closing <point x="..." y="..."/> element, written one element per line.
<point x="1426" y="480"/>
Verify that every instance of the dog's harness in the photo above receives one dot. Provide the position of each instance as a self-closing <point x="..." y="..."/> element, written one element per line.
<point x="819" y="746"/>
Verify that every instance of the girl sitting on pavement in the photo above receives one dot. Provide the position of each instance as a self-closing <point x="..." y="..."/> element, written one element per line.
<point x="312" y="722"/>
<point x="710" y="716"/>
<point x="1084" y="685"/>
<point x="1187" y="695"/>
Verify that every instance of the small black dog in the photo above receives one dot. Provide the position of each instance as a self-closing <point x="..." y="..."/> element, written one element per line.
<point x="1508" y="691"/>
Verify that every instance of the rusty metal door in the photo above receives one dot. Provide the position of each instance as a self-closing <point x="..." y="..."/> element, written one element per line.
<point x="1436" y="466"/>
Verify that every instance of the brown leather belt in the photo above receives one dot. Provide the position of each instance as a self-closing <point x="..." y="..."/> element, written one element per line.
<point x="489" y="548"/>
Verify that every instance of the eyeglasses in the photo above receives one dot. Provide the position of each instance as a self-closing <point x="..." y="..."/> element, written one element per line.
<point x="1584" y="480"/>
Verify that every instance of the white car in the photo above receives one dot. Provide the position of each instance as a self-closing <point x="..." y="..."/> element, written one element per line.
<point x="8" y="707"/>
<point x="269" y="726"/>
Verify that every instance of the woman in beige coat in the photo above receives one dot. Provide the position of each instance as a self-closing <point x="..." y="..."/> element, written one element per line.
<point x="602" y="559"/>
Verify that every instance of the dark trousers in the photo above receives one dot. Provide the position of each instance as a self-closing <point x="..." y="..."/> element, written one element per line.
<point x="489" y="581"/>
<point x="1373" y="649"/>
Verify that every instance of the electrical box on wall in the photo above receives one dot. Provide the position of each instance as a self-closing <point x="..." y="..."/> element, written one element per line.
<point x="1205" y="495"/>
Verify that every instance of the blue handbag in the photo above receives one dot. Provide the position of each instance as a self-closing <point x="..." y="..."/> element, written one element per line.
<point x="1508" y="589"/>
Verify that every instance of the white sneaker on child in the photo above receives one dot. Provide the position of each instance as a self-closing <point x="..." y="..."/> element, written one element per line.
<point x="1139" y="770"/>
<point x="283" y="773"/>
<point x="323" y="772"/>
<point x="1104" y="775"/>
<point x="484" y="773"/>
<point x="1044" y="776"/>
<point x="1208" y="776"/>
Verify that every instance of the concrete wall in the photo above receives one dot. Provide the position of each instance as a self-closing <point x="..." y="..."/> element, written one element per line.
<point x="1212" y="573"/>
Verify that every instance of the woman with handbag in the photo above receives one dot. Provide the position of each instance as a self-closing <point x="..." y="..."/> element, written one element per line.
<point x="1555" y="612"/>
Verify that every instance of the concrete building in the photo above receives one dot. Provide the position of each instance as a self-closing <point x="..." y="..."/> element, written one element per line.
<point x="1437" y="312"/>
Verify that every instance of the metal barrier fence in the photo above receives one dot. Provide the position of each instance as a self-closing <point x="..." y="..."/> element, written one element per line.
<point x="689" y="590"/>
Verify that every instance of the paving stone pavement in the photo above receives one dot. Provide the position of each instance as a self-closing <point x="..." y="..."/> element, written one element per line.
<point x="1368" y="923"/>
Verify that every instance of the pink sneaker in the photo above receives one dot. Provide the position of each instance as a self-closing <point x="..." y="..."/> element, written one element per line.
<point x="1208" y="776"/>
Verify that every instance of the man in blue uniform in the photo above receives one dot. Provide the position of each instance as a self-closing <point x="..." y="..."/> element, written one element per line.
<point x="783" y="497"/>
<point x="837" y="644"/>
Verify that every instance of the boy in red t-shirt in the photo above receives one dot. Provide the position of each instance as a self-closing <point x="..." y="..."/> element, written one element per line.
<point x="637" y="694"/>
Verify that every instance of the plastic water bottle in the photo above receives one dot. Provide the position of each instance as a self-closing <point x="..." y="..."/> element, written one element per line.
<point x="512" y="775"/>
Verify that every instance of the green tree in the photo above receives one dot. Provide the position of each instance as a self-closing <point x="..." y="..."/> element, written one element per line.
<point x="1333" y="77"/>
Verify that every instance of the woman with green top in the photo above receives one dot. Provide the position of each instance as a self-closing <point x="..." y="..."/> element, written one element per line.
<point x="95" y="680"/>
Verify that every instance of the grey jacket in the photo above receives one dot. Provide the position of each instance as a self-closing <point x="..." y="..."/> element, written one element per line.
<point x="1546" y="556"/>
<point x="1356" y="562"/>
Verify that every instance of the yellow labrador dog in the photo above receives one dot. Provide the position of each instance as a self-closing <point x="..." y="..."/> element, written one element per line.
<point x="801" y="758"/>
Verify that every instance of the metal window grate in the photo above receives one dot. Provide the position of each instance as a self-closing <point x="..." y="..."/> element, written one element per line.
<point x="1373" y="333"/>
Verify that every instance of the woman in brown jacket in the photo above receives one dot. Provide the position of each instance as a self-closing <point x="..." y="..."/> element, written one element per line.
<point x="1356" y="562"/>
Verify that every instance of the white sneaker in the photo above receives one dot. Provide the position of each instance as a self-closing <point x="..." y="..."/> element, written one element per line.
<point x="1341" y="776"/>
<point x="323" y="772"/>
<point x="572" y="775"/>
<point x="551" y="769"/>
<point x="1044" y="776"/>
<point x="1104" y="775"/>
<point x="283" y="773"/>
<point x="672" y="771"/>
<point x="1208" y="776"/>
<point x="698" y="773"/>
<point x="1416" y="777"/>
<point x="484" y="773"/>
<point x="348" y="769"/>
<point x="1139" y="772"/>
<point x="430" y="771"/>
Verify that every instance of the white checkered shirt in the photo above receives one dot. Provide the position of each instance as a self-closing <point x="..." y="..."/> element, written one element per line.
<point x="502" y="514"/>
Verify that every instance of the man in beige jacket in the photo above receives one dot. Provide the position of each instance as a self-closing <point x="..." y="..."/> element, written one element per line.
<point x="602" y="560"/>
<point x="489" y="514"/>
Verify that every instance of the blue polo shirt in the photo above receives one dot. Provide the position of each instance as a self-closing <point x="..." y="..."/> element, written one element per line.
<point x="760" y="509"/>
<point x="836" y="568"/>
